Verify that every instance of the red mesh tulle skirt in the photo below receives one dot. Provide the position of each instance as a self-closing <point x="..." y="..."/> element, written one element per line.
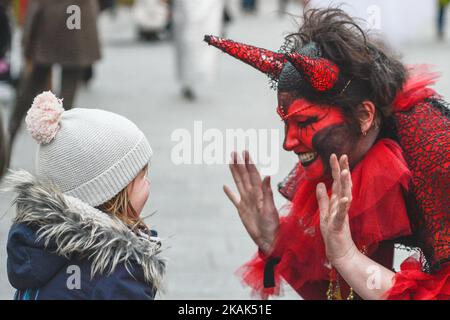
<point x="411" y="283"/>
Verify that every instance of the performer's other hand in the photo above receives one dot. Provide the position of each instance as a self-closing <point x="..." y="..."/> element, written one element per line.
<point x="334" y="221"/>
<point x="256" y="207"/>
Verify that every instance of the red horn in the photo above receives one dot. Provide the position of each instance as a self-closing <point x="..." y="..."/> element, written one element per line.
<point x="268" y="62"/>
<point x="321" y="73"/>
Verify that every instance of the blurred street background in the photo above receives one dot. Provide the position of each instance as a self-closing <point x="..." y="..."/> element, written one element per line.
<point x="204" y="239"/>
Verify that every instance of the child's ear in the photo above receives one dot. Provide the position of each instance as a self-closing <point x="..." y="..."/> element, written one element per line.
<point x="366" y="115"/>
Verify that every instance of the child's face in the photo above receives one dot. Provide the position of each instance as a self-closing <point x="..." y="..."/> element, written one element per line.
<point x="139" y="191"/>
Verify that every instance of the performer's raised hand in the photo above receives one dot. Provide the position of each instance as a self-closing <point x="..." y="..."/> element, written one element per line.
<point x="256" y="206"/>
<point x="334" y="221"/>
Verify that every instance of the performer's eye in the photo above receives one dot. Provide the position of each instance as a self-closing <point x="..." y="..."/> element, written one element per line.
<point x="304" y="125"/>
<point x="307" y="122"/>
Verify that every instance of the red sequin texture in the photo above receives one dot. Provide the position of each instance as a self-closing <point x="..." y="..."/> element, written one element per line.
<point x="321" y="73"/>
<point x="266" y="61"/>
<point x="423" y="133"/>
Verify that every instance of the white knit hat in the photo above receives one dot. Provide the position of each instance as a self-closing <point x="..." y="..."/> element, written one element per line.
<point x="89" y="154"/>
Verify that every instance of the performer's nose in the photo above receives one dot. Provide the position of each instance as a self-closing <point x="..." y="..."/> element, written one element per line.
<point x="291" y="140"/>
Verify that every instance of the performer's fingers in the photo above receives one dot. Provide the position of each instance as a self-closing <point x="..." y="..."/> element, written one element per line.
<point x="255" y="178"/>
<point x="236" y="175"/>
<point x="243" y="173"/>
<point x="347" y="166"/>
<point x="268" y="201"/>
<point x="343" y="162"/>
<point x="334" y="164"/>
<point x="346" y="183"/>
<point x="230" y="194"/>
<point x="335" y="193"/>
<point x="334" y="188"/>
<point x="342" y="211"/>
<point x="323" y="201"/>
<point x="333" y="206"/>
<point x="336" y="173"/>
<point x="346" y="180"/>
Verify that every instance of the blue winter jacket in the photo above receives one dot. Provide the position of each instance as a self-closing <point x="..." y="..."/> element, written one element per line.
<point x="61" y="248"/>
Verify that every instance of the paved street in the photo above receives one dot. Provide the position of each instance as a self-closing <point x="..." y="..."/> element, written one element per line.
<point x="204" y="239"/>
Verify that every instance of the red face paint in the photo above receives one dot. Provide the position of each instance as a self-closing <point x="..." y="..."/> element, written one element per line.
<point x="303" y="122"/>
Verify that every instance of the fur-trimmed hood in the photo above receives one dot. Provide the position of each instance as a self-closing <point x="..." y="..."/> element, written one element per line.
<point x="70" y="228"/>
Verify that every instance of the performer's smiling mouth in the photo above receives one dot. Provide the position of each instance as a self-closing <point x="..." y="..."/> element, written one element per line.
<point x="307" y="158"/>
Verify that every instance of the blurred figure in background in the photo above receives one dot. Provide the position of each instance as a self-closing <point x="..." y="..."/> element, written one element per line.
<point x="441" y="17"/>
<point x="152" y="18"/>
<point x="49" y="39"/>
<point x="227" y="17"/>
<point x="195" y="63"/>
<point x="5" y="46"/>
<point x="283" y="4"/>
<point x="4" y="150"/>
<point x="249" y="6"/>
<point x="5" y="41"/>
<point x="106" y="4"/>
<point x="397" y="21"/>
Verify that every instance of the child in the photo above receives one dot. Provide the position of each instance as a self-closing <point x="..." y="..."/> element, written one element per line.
<point x="77" y="232"/>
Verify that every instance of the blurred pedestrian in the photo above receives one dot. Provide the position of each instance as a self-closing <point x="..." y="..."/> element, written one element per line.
<point x="77" y="223"/>
<point x="4" y="150"/>
<point x="106" y="4"/>
<point x="52" y="36"/>
<point x="442" y="6"/>
<point x="382" y="17"/>
<point x="5" y="41"/>
<point x="249" y="6"/>
<point x="227" y="16"/>
<point x="152" y="18"/>
<point x="283" y="4"/>
<point x="5" y="46"/>
<point x="196" y="64"/>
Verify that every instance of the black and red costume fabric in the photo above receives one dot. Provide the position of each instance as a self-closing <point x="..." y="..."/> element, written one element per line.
<point x="379" y="214"/>
<point x="400" y="191"/>
<point x="423" y="128"/>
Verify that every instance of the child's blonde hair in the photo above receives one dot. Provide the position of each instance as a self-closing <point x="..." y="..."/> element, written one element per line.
<point x="121" y="207"/>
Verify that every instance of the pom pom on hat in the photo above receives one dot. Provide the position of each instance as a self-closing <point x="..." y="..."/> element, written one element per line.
<point x="43" y="117"/>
